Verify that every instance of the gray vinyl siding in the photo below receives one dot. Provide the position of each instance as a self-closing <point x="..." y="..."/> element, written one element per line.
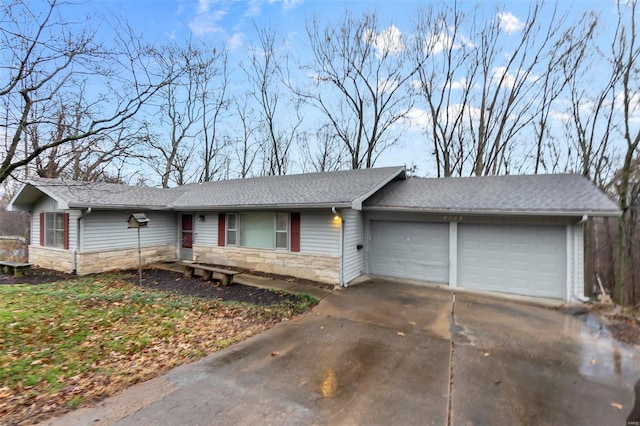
<point x="206" y="232"/>
<point x="319" y="233"/>
<point x="353" y="236"/>
<point x="47" y="204"/>
<point x="107" y="230"/>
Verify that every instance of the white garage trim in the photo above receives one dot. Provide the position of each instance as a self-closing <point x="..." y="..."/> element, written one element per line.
<point x="453" y="254"/>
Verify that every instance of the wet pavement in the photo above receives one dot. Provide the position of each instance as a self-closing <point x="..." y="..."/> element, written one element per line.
<point x="390" y="353"/>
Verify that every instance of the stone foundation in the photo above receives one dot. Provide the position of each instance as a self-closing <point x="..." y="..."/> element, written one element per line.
<point x="56" y="259"/>
<point x="98" y="261"/>
<point x="309" y="266"/>
<point x="102" y="261"/>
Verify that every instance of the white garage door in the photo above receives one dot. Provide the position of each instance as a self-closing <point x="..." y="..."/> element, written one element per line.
<point x="412" y="250"/>
<point x="527" y="260"/>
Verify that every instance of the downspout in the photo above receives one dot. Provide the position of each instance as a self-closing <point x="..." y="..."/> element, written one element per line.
<point x="337" y="216"/>
<point x="77" y="247"/>
<point x="579" y="297"/>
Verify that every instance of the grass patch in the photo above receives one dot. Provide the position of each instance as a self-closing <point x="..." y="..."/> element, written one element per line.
<point x="71" y="342"/>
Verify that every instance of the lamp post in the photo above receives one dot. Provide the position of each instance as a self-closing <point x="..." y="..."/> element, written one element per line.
<point x="138" y="220"/>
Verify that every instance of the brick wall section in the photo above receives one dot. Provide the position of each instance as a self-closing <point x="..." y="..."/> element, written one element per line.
<point x="310" y="266"/>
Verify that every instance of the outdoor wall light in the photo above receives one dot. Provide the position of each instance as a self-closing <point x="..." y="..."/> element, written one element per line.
<point x="201" y="218"/>
<point x="336" y="216"/>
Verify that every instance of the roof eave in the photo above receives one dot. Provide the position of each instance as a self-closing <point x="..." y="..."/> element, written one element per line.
<point x="357" y="204"/>
<point x="14" y="204"/>
<point x="474" y="212"/>
<point x="117" y="206"/>
<point x="340" y="204"/>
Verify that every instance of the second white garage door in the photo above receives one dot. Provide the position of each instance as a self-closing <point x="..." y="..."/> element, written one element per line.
<point x="527" y="260"/>
<point x="414" y="250"/>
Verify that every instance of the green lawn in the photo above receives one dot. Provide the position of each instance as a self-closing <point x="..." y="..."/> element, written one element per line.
<point x="66" y="343"/>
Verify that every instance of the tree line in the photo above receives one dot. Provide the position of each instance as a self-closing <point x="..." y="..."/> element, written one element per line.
<point x="553" y="92"/>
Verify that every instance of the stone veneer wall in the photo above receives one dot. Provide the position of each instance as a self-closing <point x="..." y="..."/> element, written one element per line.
<point x="309" y="266"/>
<point x="101" y="261"/>
<point x="51" y="258"/>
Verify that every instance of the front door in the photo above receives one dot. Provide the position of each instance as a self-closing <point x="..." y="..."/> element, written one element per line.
<point x="186" y="237"/>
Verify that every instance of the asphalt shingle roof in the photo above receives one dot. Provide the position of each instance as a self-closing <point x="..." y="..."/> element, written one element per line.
<point x="564" y="194"/>
<point x="381" y="188"/>
<point x="311" y="189"/>
<point x="107" y="195"/>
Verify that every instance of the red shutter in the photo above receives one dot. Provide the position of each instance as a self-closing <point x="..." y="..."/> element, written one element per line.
<point x="65" y="230"/>
<point x="221" y="229"/>
<point x="295" y="231"/>
<point x="42" y="228"/>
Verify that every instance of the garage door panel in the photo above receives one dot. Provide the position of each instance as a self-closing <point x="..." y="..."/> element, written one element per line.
<point x="409" y="250"/>
<point x="529" y="260"/>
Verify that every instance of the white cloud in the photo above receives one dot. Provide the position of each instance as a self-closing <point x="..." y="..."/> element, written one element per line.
<point x="437" y="42"/>
<point x="206" y="21"/>
<point x="457" y="85"/>
<point x="501" y="77"/>
<point x="203" y="6"/>
<point x="387" y="85"/>
<point x="560" y="115"/>
<point x="416" y="120"/>
<point x="509" y="23"/>
<point x="235" y="41"/>
<point x="386" y="42"/>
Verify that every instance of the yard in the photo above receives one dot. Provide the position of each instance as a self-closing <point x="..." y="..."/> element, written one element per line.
<point x="73" y="341"/>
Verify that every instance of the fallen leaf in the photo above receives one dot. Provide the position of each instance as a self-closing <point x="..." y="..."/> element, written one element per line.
<point x="616" y="405"/>
<point x="412" y="322"/>
<point x="400" y="333"/>
<point x="275" y="353"/>
<point x="486" y="353"/>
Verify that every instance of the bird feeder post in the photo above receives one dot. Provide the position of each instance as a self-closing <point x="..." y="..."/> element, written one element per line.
<point x="138" y="220"/>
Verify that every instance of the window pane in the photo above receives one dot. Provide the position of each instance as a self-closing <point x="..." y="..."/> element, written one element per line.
<point x="49" y="229"/>
<point x="59" y="218"/>
<point x="231" y="238"/>
<point x="281" y="221"/>
<point x="59" y="237"/>
<point x="256" y="230"/>
<point x="231" y="221"/>
<point x="281" y="240"/>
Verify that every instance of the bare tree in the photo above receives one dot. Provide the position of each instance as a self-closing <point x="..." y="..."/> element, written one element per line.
<point x="445" y="80"/>
<point x="246" y="147"/>
<point x="45" y="59"/>
<point x="359" y="77"/>
<point x="278" y="128"/>
<point x="214" y="104"/>
<point x="481" y="96"/>
<point x="183" y="107"/>
<point x="626" y="62"/>
<point x="323" y="151"/>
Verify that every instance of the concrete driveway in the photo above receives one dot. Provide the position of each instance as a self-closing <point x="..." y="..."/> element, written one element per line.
<point x="389" y="353"/>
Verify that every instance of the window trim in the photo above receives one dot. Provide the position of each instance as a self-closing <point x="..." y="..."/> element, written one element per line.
<point x="234" y="230"/>
<point x="60" y="235"/>
<point x="237" y="230"/>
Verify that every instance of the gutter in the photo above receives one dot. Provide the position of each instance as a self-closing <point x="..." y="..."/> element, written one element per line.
<point x="560" y="213"/>
<point x="579" y="297"/>
<point x="76" y="249"/>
